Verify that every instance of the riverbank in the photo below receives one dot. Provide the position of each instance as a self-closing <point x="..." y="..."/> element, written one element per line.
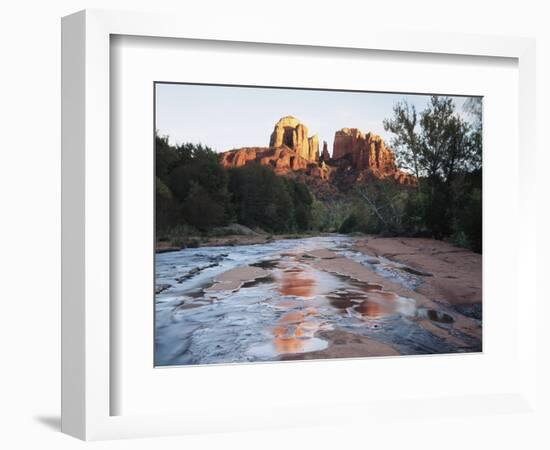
<point x="230" y="240"/>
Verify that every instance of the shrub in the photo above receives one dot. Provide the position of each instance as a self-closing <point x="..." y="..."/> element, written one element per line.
<point x="349" y="224"/>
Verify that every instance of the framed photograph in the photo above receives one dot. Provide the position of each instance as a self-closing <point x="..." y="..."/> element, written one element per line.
<point x="289" y="251"/>
<point x="238" y="242"/>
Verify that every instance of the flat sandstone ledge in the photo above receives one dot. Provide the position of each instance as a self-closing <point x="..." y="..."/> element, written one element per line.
<point x="233" y="279"/>
<point x="457" y="272"/>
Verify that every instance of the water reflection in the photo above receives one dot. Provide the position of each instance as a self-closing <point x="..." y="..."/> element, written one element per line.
<point x="295" y="331"/>
<point x="296" y="281"/>
<point x="303" y="289"/>
<point x="369" y="301"/>
<point x="298" y="285"/>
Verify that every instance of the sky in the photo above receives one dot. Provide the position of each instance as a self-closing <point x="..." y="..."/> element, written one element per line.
<point x="227" y="117"/>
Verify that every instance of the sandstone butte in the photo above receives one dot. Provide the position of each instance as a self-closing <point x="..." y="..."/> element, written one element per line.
<point x="292" y="150"/>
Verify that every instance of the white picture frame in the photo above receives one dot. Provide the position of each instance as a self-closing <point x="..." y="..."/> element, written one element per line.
<point x="86" y="219"/>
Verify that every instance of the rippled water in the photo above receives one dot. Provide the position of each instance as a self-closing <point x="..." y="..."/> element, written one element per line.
<point x="284" y="312"/>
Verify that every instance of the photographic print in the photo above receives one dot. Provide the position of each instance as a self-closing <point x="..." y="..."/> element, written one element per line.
<point x="299" y="224"/>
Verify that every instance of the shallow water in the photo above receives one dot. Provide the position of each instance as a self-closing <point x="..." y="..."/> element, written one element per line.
<point x="284" y="312"/>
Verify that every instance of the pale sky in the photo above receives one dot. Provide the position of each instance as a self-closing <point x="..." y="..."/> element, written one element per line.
<point x="227" y="117"/>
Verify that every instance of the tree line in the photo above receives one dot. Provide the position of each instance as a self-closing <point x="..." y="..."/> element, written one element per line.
<point x="194" y="190"/>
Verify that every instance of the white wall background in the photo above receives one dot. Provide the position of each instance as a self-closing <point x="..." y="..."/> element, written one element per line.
<point x="30" y="198"/>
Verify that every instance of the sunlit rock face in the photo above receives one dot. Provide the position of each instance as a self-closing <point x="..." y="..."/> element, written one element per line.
<point x="291" y="132"/>
<point x="281" y="159"/>
<point x="313" y="143"/>
<point x="368" y="152"/>
<point x="284" y="132"/>
<point x="347" y="141"/>
<point x="292" y="150"/>
<point x="241" y="156"/>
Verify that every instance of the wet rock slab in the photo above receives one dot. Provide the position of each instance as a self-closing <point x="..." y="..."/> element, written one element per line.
<point x="233" y="279"/>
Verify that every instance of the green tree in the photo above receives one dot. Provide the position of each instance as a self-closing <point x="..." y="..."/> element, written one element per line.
<point x="446" y="141"/>
<point x="191" y="186"/>
<point x="302" y="201"/>
<point x="473" y="107"/>
<point x="166" y="208"/>
<point x="405" y="137"/>
<point x="201" y="210"/>
<point x="441" y="148"/>
<point x="436" y="146"/>
<point x="261" y="198"/>
<point x="384" y="203"/>
<point x="200" y="165"/>
<point x="165" y="157"/>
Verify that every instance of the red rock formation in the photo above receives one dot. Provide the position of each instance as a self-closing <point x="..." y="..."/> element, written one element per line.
<point x="291" y="132"/>
<point x="239" y="157"/>
<point x="319" y="171"/>
<point x="313" y="144"/>
<point x="325" y="155"/>
<point x="282" y="159"/>
<point x="368" y="152"/>
<point x="346" y="141"/>
<point x="356" y="157"/>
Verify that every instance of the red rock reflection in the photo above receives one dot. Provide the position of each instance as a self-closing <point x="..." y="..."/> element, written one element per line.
<point x="294" y="329"/>
<point x="295" y="281"/>
<point x="377" y="304"/>
<point x="369" y="309"/>
<point x="370" y="301"/>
